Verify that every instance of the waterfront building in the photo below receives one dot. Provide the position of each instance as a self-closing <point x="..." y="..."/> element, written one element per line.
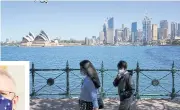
<point x="154" y="32"/>
<point x="86" y="41"/>
<point x="146" y="30"/>
<point x="134" y="32"/>
<point x="126" y="34"/>
<point x="173" y="30"/>
<point x="105" y="32"/>
<point x="178" y="30"/>
<point x="140" y="36"/>
<point x="101" y="37"/>
<point x="163" y="29"/>
<point x="41" y="40"/>
<point x="110" y="31"/>
<point x="110" y="36"/>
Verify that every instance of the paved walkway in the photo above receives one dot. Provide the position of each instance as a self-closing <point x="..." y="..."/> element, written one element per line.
<point x="110" y="104"/>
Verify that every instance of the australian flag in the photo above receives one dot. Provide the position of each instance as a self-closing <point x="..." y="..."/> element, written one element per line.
<point x="5" y="104"/>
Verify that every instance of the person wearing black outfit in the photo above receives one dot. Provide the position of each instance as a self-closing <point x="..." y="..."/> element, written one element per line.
<point x="125" y="86"/>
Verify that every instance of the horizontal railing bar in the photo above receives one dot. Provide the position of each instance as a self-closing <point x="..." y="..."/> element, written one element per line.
<point x="154" y="94"/>
<point x="51" y="94"/>
<point x="103" y="69"/>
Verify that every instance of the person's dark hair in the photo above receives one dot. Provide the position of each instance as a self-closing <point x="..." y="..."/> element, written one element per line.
<point x="122" y="64"/>
<point x="90" y="71"/>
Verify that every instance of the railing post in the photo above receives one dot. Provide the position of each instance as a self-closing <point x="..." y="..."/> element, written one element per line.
<point x="67" y="79"/>
<point x="33" y="75"/>
<point x="173" y="71"/>
<point x="102" y="80"/>
<point x="137" y="81"/>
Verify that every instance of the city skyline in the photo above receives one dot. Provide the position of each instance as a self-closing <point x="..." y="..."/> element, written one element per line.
<point x="72" y="20"/>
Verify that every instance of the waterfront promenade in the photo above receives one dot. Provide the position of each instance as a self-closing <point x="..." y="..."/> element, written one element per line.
<point x="110" y="104"/>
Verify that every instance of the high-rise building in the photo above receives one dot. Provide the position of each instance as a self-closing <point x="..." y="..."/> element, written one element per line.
<point x="164" y="24"/>
<point x="173" y="30"/>
<point x="110" y="31"/>
<point x="123" y="26"/>
<point x="134" y="32"/>
<point x="93" y="37"/>
<point x="176" y="25"/>
<point x="159" y="33"/>
<point x="146" y="30"/>
<point x="101" y="37"/>
<point x="111" y="23"/>
<point x="116" y="36"/>
<point x="110" y="36"/>
<point x="163" y="29"/>
<point x="154" y="32"/>
<point x="178" y="29"/>
<point x="140" y="36"/>
<point x="105" y="32"/>
<point x="86" y="41"/>
<point x="126" y="34"/>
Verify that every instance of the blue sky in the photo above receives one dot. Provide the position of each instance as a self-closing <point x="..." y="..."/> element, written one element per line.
<point x="78" y="19"/>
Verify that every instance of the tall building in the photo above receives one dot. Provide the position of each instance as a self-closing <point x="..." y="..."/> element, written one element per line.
<point x="101" y="37"/>
<point x="105" y="32"/>
<point x="93" y="37"/>
<point x="154" y="32"/>
<point x="123" y="26"/>
<point x="110" y="36"/>
<point x="134" y="32"/>
<point x="164" y="24"/>
<point x="110" y="31"/>
<point x="173" y="30"/>
<point x="140" y="36"/>
<point x="111" y="23"/>
<point x="163" y="29"/>
<point x="178" y="29"/>
<point x="146" y="30"/>
<point x="86" y="41"/>
<point x="126" y="34"/>
<point x="116" y="36"/>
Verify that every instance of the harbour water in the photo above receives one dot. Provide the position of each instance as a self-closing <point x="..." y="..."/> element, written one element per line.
<point x="149" y="57"/>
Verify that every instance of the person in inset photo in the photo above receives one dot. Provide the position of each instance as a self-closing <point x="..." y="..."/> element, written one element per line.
<point x="8" y="97"/>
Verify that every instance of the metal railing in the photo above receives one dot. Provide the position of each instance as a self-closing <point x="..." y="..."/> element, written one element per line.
<point x="172" y="81"/>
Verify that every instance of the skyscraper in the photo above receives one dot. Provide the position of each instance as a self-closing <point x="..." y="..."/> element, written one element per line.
<point x="116" y="36"/>
<point x="164" y="29"/>
<point x="178" y="29"/>
<point x="110" y="36"/>
<point x="164" y="24"/>
<point x="105" y="32"/>
<point x="134" y="32"/>
<point x="126" y="34"/>
<point x="173" y="30"/>
<point x="86" y="41"/>
<point x="154" y="32"/>
<point x="101" y="37"/>
<point x="140" y="35"/>
<point x="123" y="26"/>
<point x="111" y="23"/>
<point x="146" y="30"/>
<point x="110" y="31"/>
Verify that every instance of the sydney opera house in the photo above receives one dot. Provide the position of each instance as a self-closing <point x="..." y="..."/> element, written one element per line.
<point x="41" y="40"/>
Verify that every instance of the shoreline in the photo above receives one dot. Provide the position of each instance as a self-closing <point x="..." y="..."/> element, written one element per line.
<point x="97" y="46"/>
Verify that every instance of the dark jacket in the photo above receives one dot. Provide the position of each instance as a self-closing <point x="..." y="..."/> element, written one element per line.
<point x="125" y="86"/>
